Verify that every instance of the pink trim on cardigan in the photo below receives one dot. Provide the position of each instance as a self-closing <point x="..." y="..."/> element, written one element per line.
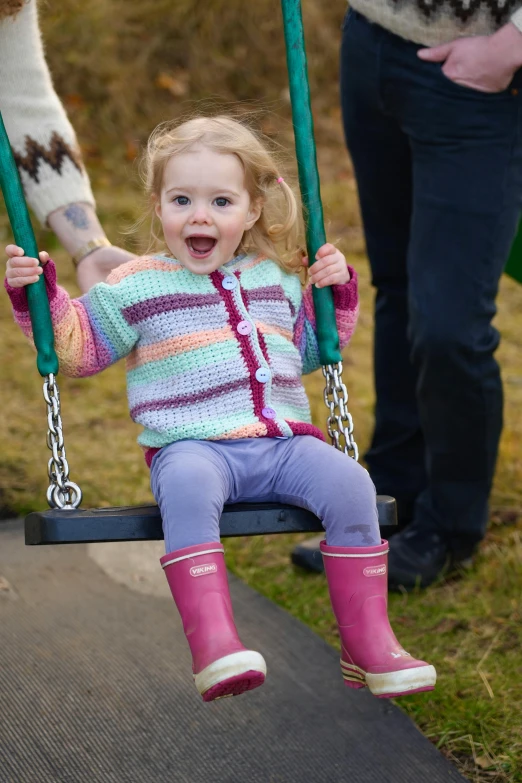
<point x="302" y="428"/>
<point x="257" y="389"/>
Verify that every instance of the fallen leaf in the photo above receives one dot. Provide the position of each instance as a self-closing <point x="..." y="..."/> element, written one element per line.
<point x="484" y="762"/>
<point x="176" y="84"/>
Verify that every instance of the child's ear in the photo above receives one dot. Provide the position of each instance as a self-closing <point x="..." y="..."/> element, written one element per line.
<point x="157" y="205"/>
<point x="254" y="213"/>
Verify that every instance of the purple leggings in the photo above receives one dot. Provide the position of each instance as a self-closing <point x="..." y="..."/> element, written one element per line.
<point x="193" y="479"/>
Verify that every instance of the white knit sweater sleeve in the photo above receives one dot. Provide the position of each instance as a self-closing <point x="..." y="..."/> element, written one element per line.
<point x="42" y="138"/>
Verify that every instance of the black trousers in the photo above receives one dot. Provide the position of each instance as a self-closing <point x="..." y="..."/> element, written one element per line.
<point x="439" y="173"/>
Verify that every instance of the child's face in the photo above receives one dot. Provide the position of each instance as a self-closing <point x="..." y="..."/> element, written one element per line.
<point x="204" y="208"/>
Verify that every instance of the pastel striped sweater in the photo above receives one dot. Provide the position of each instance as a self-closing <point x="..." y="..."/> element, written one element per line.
<point x="213" y="357"/>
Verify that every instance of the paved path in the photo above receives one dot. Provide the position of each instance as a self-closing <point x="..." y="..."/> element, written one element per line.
<point x="95" y="686"/>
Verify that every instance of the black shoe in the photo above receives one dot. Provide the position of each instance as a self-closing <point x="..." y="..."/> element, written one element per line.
<point x="308" y="555"/>
<point x="419" y="557"/>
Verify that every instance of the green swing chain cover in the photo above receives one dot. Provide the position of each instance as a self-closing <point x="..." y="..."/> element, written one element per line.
<point x="47" y="361"/>
<point x="328" y="337"/>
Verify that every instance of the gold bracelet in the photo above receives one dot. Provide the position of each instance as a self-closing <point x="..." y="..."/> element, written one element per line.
<point x="88" y="248"/>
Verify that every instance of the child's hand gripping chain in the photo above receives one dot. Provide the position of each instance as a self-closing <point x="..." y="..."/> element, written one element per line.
<point x="330" y="267"/>
<point x="218" y="331"/>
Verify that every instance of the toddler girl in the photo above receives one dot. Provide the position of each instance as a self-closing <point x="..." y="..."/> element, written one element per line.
<point x="217" y="332"/>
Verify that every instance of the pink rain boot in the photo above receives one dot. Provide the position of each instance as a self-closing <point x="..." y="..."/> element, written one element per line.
<point x="198" y="581"/>
<point x="370" y="653"/>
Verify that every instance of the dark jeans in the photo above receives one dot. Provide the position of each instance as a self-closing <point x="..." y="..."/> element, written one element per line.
<point x="439" y="172"/>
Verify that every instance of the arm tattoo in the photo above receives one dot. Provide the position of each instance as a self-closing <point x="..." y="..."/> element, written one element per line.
<point x="77" y="216"/>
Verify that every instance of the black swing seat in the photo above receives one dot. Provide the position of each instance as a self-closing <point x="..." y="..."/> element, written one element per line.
<point x="143" y="523"/>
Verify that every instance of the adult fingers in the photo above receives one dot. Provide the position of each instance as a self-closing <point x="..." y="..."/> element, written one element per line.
<point x="436" y="54"/>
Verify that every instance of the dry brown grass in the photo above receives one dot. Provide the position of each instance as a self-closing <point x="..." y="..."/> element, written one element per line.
<point x="123" y="67"/>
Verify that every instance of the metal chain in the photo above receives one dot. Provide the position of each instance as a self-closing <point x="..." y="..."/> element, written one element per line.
<point x="61" y="492"/>
<point x="339" y="422"/>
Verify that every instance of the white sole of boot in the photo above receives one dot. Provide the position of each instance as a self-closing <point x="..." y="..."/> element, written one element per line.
<point x="230" y="666"/>
<point x="389" y="684"/>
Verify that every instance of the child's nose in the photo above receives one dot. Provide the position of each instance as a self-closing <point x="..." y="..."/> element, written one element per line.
<point x="201" y="214"/>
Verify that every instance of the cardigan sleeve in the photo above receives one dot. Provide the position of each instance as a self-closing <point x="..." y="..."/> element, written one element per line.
<point x="90" y="333"/>
<point x="346" y="305"/>
<point x="42" y="138"/>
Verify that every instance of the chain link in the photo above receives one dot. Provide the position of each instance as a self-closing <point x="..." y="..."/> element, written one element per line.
<point x="61" y="492"/>
<point x="339" y="422"/>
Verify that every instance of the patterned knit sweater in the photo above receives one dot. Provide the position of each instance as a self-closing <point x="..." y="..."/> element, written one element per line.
<point x="432" y="22"/>
<point x="44" y="143"/>
<point x="209" y="357"/>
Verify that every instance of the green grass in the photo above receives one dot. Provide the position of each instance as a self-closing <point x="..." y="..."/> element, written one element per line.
<point x="470" y="629"/>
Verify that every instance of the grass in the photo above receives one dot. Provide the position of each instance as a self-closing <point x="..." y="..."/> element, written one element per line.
<point x="470" y="629"/>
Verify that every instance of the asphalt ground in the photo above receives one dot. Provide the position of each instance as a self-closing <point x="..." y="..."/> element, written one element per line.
<point x="95" y="685"/>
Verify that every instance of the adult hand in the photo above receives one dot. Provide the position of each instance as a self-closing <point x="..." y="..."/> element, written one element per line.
<point x="485" y="63"/>
<point x="95" y="267"/>
<point x="76" y="225"/>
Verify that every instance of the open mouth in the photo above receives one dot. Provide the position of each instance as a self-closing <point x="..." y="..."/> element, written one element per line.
<point x="200" y="246"/>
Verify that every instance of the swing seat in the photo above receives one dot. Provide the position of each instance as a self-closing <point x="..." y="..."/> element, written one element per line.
<point x="143" y="523"/>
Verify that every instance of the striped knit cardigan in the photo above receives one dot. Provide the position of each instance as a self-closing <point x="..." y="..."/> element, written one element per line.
<point x="213" y="357"/>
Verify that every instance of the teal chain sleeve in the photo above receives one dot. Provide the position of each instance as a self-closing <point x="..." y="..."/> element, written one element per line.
<point x="47" y="361"/>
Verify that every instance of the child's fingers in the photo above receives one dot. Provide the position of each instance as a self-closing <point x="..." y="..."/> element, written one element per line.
<point x="326" y="250"/>
<point x="304" y="260"/>
<point x="22" y="270"/>
<point x="335" y="278"/>
<point x="325" y="263"/>
<point x="23" y="274"/>
<point x="23" y="262"/>
<point x="20" y="282"/>
<point x="330" y="258"/>
<point x="14" y="250"/>
<point x="18" y="276"/>
<point x="327" y="266"/>
<point x="44" y="257"/>
<point x="325" y="273"/>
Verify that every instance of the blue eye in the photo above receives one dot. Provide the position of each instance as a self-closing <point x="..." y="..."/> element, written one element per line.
<point x="182" y="201"/>
<point x="221" y="201"/>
